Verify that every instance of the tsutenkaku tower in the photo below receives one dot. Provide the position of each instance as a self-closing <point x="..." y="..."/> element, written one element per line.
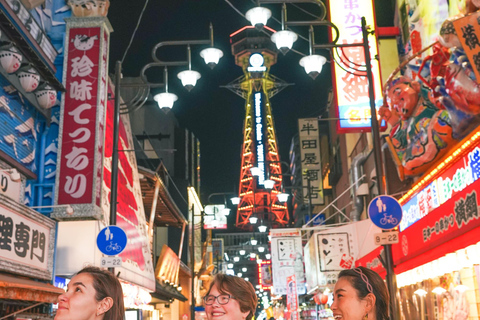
<point x="255" y="53"/>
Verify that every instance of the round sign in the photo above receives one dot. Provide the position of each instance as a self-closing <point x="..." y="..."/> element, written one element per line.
<point x="385" y="212"/>
<point x="111" y="240"/>
<point x="256" y="60"/>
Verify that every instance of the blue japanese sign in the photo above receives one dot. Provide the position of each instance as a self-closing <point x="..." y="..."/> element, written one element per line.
<point x="385" y="212"/>
<point x="111" y="240"/>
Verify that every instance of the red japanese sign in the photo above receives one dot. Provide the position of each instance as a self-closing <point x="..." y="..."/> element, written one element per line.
<point x="265" y="274"/>
<point x="80" y="152"/>
<point x="446" y="229"/>
<point x="292" y="297"/>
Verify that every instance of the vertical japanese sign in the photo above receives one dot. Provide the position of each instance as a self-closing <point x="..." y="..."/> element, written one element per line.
<point x="311" y="161"/>
<point x="260" y="127"/>
<point x="26" y="240"/>
<point x="80" y="156"/>
<point x="292" y="297"/>
<point x="468" y="31"/>
<point x="287" y="260"/>
<point x="351" y="90"/>
<point x="265" y="274"/>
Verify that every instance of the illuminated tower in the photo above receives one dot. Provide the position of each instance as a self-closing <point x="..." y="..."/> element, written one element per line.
<point x="255" y="53"/>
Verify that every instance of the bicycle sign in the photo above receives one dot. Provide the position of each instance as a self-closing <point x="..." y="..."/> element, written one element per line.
<point x="385" y="212"/>
<point x="111" y="240"/>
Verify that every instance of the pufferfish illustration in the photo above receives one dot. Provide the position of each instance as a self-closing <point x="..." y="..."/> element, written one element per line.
<point x="84" y="42"/>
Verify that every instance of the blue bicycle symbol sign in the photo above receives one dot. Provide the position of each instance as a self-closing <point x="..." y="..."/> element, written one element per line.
<point x="111" y="240"/>
<point x="385" y="212"/>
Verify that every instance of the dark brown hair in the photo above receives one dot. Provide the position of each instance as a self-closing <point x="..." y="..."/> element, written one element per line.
<point x="107" y="285"/>
<point x="240" y="289"/>
<point x="376" y="284"/>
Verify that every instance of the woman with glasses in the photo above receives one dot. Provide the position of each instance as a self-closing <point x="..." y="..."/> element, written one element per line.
<point x="230" y="298"/>
<point x="360" y="294"/>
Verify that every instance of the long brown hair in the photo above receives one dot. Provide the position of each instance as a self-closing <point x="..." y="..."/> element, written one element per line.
<point x="372" y="284"/>
<point x="107" y="285"/>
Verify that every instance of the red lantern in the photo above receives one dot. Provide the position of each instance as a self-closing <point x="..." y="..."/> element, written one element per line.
<point x="323" y="299"/>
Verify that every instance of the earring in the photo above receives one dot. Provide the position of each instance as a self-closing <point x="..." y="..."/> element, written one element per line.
<point x="366" y="317"/>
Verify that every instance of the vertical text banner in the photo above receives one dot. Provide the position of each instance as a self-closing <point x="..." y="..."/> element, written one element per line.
<point x="292" y="297"/>
<point x="287" y="260"/>
<point x="311" y="161"/>
<point x="351" y="90"/>
<point x="82" y="118"/>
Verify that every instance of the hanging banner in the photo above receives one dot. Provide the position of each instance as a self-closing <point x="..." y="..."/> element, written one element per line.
<point x="82" y="119"/>
<point x="312" y="180"/>
<point x="292" y="297"/>
<point x="287" y="260"/>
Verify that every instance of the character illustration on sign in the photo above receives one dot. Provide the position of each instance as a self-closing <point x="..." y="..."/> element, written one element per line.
<point x="421" y="132"/>
<point x="430" y="115"/>
<point x="84" y="42"/>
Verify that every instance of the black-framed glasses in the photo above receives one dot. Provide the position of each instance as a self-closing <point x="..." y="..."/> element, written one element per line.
<point x="222" y="299"/>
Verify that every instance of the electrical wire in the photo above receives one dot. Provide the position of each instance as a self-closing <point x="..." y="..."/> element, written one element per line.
<point x="134" y="31"/>
<point x="305" y="11"/>
<point x="233" y="7"/>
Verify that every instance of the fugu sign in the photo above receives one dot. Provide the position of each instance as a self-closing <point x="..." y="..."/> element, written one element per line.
<point x="82" y="124"/>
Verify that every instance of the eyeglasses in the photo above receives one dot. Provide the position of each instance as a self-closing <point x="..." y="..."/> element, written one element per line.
<point x="222" y="299"/>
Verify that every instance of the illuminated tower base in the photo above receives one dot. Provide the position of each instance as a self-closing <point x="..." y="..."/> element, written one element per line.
<point x="255" y="53"/>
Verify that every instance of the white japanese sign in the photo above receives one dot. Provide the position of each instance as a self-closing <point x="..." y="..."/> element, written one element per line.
<point x="311" y="161"/>
<point x="287" y="260"/>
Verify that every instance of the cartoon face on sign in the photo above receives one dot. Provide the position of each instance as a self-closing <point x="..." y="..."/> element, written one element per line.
<point x="84" y="42"/>
<point x="286" y="249"/>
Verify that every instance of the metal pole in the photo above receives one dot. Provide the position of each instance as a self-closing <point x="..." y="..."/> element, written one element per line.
<point x="391" y="278"/>
<point x="192" y="258"/>
<point x="309" y="197"/>
<point x="114" y="173"/>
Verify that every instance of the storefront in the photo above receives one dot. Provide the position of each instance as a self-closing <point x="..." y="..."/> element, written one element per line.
<point x="437" y="258"/>
<point x="438" y="255"/>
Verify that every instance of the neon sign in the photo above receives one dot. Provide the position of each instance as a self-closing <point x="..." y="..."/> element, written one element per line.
<point x="351" y="91"/>
<point x="259" y="136"/>
<point x="454" y="180"/>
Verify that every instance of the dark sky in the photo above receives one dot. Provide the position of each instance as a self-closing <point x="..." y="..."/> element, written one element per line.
<point x="214" y="114"/>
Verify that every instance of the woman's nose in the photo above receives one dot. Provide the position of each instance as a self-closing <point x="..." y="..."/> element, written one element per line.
<point x="62" y="297"/>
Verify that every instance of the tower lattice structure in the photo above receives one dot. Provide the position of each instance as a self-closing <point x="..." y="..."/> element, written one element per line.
<point x="260" y="148"/>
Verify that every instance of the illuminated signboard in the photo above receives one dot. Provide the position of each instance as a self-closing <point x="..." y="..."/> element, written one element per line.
<point x="259" y="143"/>
<point x="351" y="90"/>
<point x="265" y="274"/>
<point x="463" y="173"/>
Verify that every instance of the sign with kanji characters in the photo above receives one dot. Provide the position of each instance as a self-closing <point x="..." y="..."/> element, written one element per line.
<point x="26" y="240"/>
<point x="292" y="298"/>
<point x="351" y="89"/>
<point x="446" y="186"/>
<point x="468" y="31"/>
<point x="82" y="119"/>
<point x="287" y="260"/>
<point x="312" y="180"/>
<point x="214" y="217"/>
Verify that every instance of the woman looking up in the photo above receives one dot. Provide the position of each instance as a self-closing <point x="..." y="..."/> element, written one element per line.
<point x="360" y="294"/>
<point x="230" y="298"/>
<point x="92" y="294"/>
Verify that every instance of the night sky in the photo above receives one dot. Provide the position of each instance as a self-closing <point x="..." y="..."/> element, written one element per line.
<point x="215" y="114"/>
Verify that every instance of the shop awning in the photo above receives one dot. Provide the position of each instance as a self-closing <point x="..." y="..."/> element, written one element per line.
<point x="167" y="293"/>
<point x="27" y="290"/>
<point x="166" y="212"/>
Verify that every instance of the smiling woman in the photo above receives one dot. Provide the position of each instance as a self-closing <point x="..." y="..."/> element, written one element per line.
<point x="230" y="298"/>
<point x="360" y="294"/>
<point x="92" y="294"/>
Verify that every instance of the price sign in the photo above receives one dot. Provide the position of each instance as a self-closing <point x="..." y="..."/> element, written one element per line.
<point x="111" y="262"/>
<point x="383" y="238"/>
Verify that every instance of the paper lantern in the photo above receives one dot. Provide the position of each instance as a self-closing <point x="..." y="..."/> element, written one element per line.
<point x="10" y="58"/>
<point x="29" y="77"/>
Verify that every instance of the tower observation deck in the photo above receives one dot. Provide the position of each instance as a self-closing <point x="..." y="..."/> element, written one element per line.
<point x="255" y="53"/>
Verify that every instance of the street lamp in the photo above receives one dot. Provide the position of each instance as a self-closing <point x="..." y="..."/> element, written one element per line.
<point x="313" y="66"/>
